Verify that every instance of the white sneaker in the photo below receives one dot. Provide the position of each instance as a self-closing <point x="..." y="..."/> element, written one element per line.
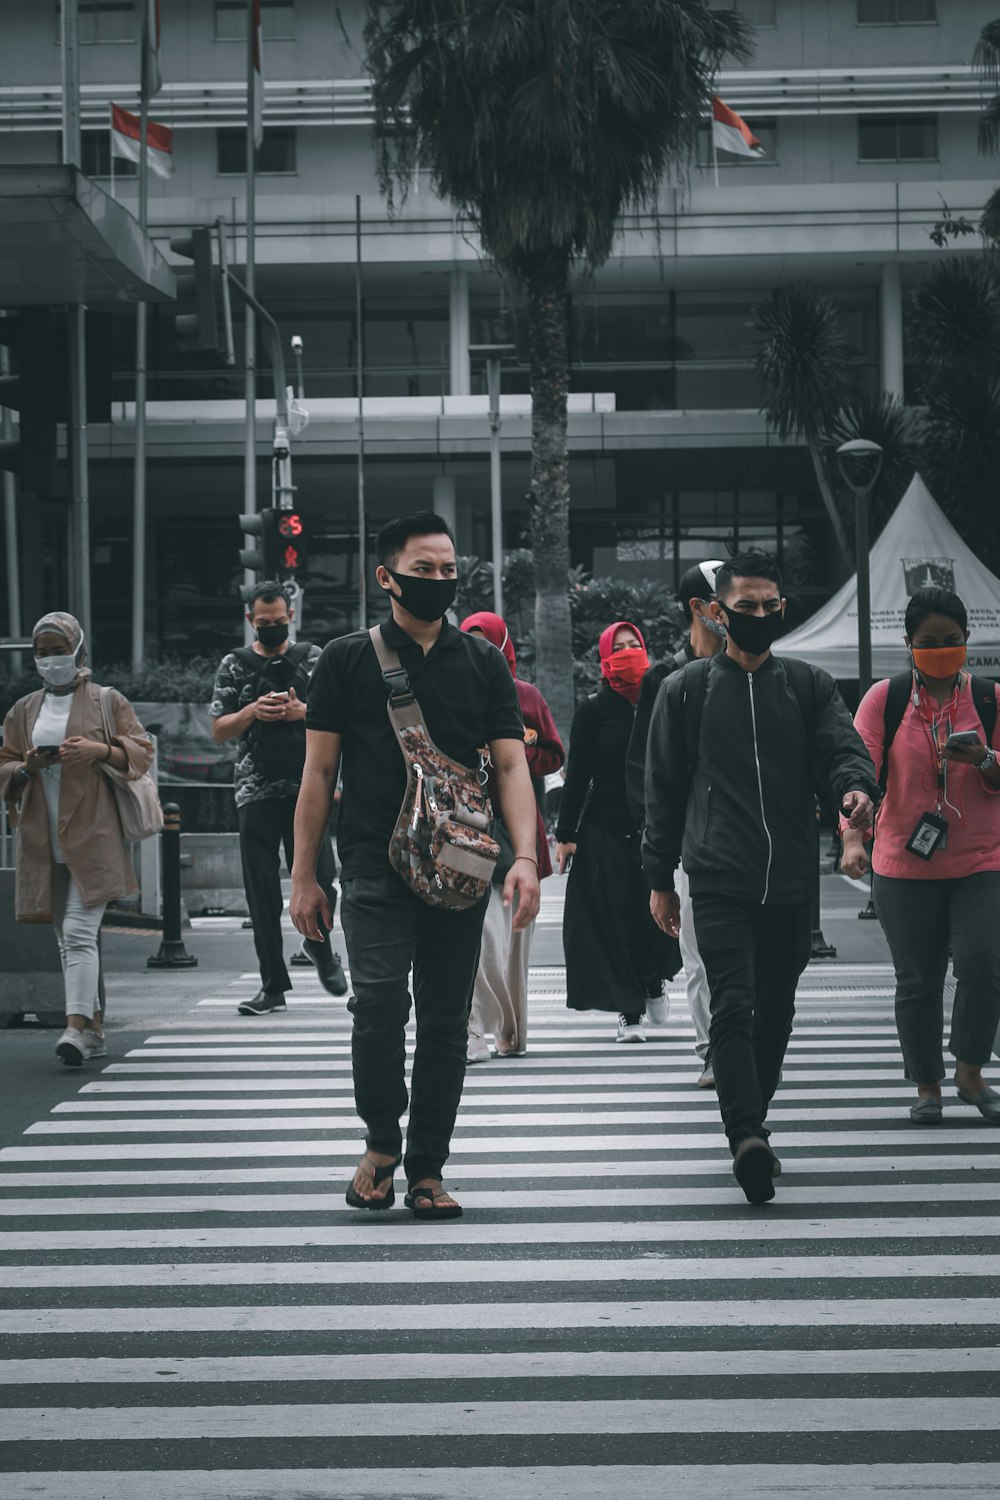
<point x="71" y="1047"/>
<point x="96" y="1045"/>
<point x="629" y="1032"/>
<point x="658" y="1010"/>
<point x="478" y="1049"/>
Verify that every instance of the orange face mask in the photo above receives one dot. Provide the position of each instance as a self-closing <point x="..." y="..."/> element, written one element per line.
<point x="939" y="662"/>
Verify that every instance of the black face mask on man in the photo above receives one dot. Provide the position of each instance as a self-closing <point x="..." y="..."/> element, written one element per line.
<point x="271" y="636"/>
<point x="754" y="634"/>
<point x="427" y="599"/>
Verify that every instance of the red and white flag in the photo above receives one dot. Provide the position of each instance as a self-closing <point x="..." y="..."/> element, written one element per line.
<point x="126" y="130"/>
<point x="256" y="80"/>
<point x="732" y="134"/>
<point x="151" y="46"/>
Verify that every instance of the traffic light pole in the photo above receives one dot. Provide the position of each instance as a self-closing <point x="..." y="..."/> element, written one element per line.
<point x="10" y="527"/>
<point x="141" y="326"/>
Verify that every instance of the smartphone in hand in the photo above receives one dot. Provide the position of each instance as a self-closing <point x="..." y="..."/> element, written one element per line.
<point x="962" y="738"/>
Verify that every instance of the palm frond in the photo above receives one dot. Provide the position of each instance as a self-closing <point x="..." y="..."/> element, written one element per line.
<point x="989" y="128"/>
<point x="953" y="320"/>
<point x="986" y="57"/>
<point x="989" y="223"/>
<point x="802" y="360"/>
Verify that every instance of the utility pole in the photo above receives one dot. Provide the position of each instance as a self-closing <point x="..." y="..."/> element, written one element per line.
<point x="250" y="340"/>
<point x="141" y="327"/>
<point x="493" y="354"/>
<point x="76" y="436"/>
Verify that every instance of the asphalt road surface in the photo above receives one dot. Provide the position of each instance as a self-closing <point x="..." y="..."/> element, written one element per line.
<point x="190" y="1310"/>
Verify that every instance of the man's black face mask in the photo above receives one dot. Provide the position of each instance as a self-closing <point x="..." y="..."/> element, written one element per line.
<point x="424" y="598"/>
<point x="754" y="634"/>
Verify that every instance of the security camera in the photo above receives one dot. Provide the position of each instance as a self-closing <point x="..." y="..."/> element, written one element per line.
<point x="296" y="344"/>
<point x="282" y="445"/>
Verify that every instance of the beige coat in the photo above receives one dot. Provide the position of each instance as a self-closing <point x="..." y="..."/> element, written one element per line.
<point x="90" y="834"/>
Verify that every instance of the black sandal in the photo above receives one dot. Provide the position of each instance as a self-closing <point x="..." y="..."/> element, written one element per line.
<point x="419" y="1195"/>
<point x="378" y="1176"/>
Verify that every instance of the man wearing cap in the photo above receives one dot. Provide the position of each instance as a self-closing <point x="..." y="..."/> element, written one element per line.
<point x="705" y="638"/>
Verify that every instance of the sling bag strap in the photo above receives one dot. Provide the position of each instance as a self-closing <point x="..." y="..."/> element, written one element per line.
<point x="404" y="710"/>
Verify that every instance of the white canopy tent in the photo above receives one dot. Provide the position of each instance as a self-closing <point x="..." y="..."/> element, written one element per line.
<point x="919" y="548"/>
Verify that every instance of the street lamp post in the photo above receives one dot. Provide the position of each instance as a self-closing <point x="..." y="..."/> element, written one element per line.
<point x="860" y="463"/>
<point x="493" y="354"/>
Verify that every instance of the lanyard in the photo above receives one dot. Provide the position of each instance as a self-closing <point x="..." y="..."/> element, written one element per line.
<point x="938" y="727"/>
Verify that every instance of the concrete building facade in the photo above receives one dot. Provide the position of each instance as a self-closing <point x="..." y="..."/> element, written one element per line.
<point x="867" y="110"/>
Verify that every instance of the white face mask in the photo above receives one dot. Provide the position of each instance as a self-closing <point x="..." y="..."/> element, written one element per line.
<point x="57" y="671"/>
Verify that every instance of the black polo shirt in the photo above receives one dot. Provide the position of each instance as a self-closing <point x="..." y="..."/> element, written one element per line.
<point x="468" y="698"/>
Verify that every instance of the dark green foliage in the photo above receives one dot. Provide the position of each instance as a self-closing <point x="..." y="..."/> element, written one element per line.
<point x="802" y="359"/>
<point x="953" y="320"/>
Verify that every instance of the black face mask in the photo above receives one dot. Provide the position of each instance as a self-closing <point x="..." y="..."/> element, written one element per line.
<point x="424" y="598"/>
<point x="272" y="635"/>
<point x="754" y="634"/>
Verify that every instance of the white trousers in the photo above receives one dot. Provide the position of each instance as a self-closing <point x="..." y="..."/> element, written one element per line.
<point x="77" y="928"/>
<point x="699" y="996"/>
<point x="500" y="996"/>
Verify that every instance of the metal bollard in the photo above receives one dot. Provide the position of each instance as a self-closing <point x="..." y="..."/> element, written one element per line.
<point x="820" y="947"/>
<point x="172" y="952"/>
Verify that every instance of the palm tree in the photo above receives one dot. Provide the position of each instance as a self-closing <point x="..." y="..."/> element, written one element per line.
<point x="543" y="121"/>
<point x="803" y="363"/>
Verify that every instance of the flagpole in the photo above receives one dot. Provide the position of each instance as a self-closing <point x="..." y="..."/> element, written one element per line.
<point x="250" y="341"/>
<point x="715" y="149"/>
<point x="139" y="469"/>
<point x="111" y="145"/>
<point x="360" y="348"/>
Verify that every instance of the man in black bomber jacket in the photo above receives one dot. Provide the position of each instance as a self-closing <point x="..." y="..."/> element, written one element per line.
<point x="736" y="745"/>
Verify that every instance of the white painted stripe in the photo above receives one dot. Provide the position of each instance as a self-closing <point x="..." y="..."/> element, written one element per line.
<point x="703" y="1099"/>
<point x="479" y="1082"/>
<point x="745" y="1229"/>
<point x="302" y="1034"/>
<point x="332" y="1119"/>
<point x="454" y="1271"/>
<point x="539" y="1482"/>
<point x="617" y="1054"/>
<point x="596" y="1147"/>
<point x="716" y="1164"/>
<point x="792" y="1194"/>
<point x="648" y="1065"/>
<point x="568" y="1364"/>
<point x="476" y="1418"/>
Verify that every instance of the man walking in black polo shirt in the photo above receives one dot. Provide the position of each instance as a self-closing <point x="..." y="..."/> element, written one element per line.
<point x="467" y="696"/>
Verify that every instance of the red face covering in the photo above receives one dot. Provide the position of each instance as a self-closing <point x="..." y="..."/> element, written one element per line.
<point x="623" y="670"/>
<point x="495" y="631"/>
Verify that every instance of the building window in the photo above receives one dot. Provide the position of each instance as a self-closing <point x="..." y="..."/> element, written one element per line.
<point x="103" y="21"/>
<point x="277" y="20"/>
<point x="897" y="138"/>
<point x="95" y="153"/>
<point x="897" y="12"/>
<point x="276" y="156"/>
<point x="766" y="132"/>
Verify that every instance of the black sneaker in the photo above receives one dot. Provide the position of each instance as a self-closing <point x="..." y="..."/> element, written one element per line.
<point x="328" y="967"/>
<point x="262" y="1004"/>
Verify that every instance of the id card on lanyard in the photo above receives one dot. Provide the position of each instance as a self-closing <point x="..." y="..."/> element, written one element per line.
<point x="931" y="832"/>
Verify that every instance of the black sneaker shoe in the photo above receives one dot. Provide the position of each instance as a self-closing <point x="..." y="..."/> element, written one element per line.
<point x="328" y="967"/>
<point x="262" y="1004"/>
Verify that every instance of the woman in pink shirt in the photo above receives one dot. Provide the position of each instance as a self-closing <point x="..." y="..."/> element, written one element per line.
<point x="936" y="858"/>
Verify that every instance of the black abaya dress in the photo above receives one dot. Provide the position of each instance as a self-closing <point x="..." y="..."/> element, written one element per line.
<point x="616" y="956"/>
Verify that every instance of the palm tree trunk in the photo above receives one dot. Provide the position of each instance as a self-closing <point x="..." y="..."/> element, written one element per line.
<point x="547" y="281"/>
<point x="830" y="501"/>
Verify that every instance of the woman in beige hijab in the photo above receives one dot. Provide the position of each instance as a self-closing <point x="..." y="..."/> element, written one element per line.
<point x="71" y="857"/>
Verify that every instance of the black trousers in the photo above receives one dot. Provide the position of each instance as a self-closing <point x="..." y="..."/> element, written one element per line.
<point x="753" y="957"/>
<point x="388" y="929"/>
<point x="264" y="828"/>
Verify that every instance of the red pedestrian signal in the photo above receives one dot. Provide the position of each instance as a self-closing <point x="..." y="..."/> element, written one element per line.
<point x="291" y="531"/>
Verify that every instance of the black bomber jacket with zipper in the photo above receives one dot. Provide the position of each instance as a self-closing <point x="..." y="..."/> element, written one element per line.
<point x="743" y="816"/>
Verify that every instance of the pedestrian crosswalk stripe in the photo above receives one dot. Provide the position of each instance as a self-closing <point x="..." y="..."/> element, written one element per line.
<point x="353" y="1273"/>
<point x="571" y="1481"/>
<point x="794" y="1194"/>
<point x="480" y="1083"/>
<point x="743" y="1229"/>
<point x="396" y="1316"/>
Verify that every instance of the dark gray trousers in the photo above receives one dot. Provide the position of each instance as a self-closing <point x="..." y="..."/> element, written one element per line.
<point x="920" y="918"/>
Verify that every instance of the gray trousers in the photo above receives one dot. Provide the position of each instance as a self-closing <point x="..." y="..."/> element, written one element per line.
<point x="920" y="918"/>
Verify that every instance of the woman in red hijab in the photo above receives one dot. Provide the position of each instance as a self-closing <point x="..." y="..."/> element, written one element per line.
<point x="500" y="996"/>
<point x="616" y="957"/>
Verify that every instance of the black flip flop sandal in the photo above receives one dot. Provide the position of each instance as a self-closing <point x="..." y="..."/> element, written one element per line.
<point x="419" y="1195"/>
<point x="377" y="1205"/>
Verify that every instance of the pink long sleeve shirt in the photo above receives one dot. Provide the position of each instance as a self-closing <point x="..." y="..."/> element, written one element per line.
<point x="972" y="807"/>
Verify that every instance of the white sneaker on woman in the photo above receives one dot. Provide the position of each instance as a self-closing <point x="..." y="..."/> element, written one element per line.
<point x="629" y="1031"/>
<point x="71" y="1047"/>
<point x="478" y="1049"/>
<point x="96" y="1045"/>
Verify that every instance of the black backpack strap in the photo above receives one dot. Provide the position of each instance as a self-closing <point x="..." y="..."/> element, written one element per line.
<point x="802" y="680"/>
<point x="896" y="700"/>
<point x="984" y="695"/>
<point x="695" y="681"/>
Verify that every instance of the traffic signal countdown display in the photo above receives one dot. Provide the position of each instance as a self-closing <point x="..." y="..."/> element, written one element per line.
<point x="275" y="543"/>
